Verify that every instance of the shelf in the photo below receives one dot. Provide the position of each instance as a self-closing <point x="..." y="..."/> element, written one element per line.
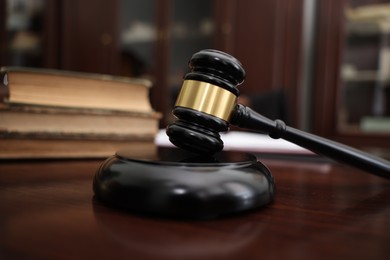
<point x="364" y="76"/>
<point x="375" y="124"/>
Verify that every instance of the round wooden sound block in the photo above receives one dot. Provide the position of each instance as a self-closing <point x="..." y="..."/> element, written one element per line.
<point x="176" y="183"/>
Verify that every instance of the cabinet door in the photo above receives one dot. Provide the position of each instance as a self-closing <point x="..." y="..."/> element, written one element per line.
<point x="143" y="27"/>
<point x="365" y="70"/>
<point x="351" y="94"/>
<point x="89" y="36"/>
<point x="191" y="28"/>
<point x="29" y="33"/>
<point x="138" y="35"/>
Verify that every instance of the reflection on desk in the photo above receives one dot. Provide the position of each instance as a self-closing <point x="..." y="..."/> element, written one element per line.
<point x="321" y="211"/>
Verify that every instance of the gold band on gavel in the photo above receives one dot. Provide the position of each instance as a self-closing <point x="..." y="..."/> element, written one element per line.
<point x="207" y="98"/>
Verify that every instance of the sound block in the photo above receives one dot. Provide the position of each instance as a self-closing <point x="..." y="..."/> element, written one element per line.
<point x="175" y="183"/>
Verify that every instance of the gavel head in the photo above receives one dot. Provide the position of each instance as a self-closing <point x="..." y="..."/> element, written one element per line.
<point x="206" y="101"/>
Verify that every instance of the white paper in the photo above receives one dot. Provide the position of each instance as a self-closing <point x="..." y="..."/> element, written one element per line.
<point x="247" y="141"/>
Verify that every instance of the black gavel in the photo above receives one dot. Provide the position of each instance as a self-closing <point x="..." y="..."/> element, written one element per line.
<point x="207" y="105"/>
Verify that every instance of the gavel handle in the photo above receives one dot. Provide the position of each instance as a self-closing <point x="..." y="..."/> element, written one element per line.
<point x="247" y="118"/>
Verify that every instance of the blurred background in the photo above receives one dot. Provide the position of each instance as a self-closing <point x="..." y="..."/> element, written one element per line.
<point x="321" y="65"/>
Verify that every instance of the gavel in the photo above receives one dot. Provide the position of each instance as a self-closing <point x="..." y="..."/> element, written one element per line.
<point x="208" y="103"/>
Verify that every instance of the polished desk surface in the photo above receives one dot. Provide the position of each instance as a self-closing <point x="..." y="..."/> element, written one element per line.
<point x="322" y="210"/>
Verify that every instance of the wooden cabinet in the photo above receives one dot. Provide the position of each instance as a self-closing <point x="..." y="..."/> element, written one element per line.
<point x="156" y="38"/>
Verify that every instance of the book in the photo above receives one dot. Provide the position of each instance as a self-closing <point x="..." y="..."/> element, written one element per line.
<point x="52" y="148"/>
<point x="61" y="114"/>
<point x="249" y="142"/>
<point x="46" y="87"/>
<point x="371" y="124"/>
<point x="75" y="123"/>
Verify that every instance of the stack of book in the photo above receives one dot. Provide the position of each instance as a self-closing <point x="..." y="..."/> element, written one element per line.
<point x="59" y="114"/>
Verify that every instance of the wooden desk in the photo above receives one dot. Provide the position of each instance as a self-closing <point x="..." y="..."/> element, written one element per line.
<point x="321" y="211"/>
